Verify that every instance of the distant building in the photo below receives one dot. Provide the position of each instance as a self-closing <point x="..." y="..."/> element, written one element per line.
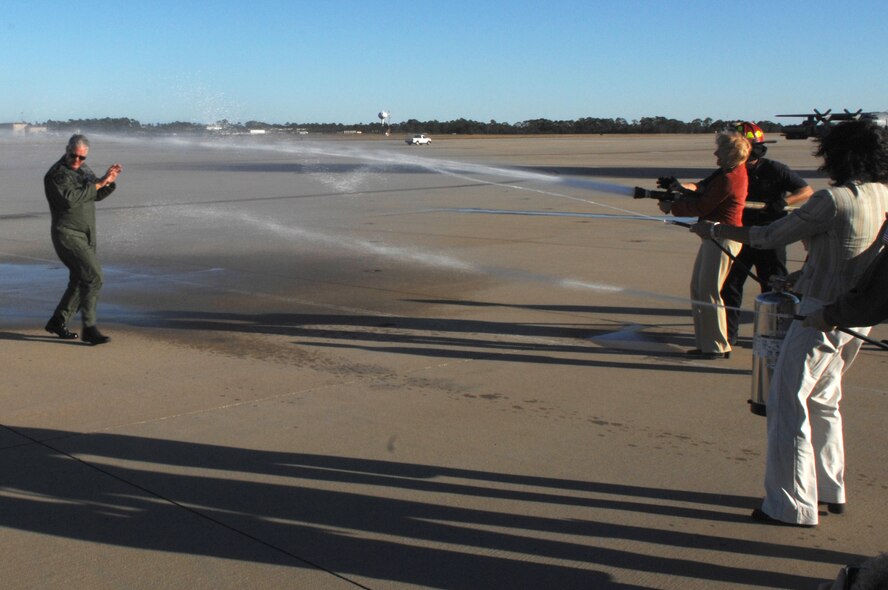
<point x="22" y="128"/>
<point x="257" y="131"/>
<point x="14" y="128"/>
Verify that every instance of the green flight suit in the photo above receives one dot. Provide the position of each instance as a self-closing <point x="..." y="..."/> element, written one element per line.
<point x="72" y="196"/>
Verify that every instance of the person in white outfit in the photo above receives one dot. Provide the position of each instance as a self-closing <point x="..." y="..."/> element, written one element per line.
<point x="840" y="227"/>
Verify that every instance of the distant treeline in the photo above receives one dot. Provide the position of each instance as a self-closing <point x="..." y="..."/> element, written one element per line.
<point x="587" y="125"/>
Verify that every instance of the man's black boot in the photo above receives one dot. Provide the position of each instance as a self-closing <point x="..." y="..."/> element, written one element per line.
<point x="91" y="335"/>
<point x="57" y="326"/>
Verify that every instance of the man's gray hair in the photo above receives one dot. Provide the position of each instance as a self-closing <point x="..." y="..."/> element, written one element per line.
<point x="77" y="140"/>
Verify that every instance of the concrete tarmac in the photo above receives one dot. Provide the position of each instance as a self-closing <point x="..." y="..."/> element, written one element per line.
<point x="342" y="363"/>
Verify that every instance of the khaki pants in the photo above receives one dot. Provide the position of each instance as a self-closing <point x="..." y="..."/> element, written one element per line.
<point x="710" y="270"/>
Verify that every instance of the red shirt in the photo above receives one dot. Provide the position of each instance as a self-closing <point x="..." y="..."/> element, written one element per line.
<point x="722" y="200"/>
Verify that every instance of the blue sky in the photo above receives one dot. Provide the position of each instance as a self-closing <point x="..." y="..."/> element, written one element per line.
<point x="345" y="60"/>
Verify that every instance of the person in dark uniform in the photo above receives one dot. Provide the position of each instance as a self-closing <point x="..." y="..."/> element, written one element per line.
<point x="72" y="191"/>
<point x="772" y="187"/>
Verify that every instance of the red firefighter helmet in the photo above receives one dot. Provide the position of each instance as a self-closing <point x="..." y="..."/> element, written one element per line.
<point x="750" y="131"/>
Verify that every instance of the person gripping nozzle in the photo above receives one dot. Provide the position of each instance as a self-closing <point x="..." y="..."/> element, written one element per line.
<point x="773" y="187"/>
<point x="719" y="198"/>
<point x="72" y="190"/>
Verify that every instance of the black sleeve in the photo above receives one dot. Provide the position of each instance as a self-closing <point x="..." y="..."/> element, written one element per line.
<point x="790" y="179"/>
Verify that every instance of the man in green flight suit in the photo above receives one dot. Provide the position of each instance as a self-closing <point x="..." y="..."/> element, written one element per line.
<point x="72" y="191"/>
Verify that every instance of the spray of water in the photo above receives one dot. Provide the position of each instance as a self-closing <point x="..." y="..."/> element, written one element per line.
<point x="463" y="170"/>
<point x="476" y="173"/>
<point x="412" y="255"/>
<point x="363" y="247"/>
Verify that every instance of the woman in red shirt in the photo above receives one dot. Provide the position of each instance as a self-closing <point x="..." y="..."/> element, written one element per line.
<point x="718" y="198"/>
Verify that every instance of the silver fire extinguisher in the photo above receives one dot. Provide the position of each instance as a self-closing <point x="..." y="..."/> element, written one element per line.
<point x="774" y="313"/>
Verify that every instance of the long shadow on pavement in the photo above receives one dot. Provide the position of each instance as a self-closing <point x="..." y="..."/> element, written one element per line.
<point x="357" y="517"/>
<point x="433" y="337"/>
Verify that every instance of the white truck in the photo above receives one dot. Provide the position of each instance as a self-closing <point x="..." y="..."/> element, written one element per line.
<point x="419" y="140"/>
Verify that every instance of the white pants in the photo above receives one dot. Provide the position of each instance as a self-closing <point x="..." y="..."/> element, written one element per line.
<point x="710" y="271"/>
<point x="806" y="454"/>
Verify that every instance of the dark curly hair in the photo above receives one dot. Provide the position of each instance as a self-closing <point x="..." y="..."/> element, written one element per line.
<point x="856" y="151"/>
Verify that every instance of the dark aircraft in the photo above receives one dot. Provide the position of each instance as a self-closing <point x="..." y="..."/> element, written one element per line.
<point x="816" y="123"/>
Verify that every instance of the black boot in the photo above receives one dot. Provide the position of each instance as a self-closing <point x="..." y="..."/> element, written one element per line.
<point x="91" y="335"/>
<point x="57" y="326"/>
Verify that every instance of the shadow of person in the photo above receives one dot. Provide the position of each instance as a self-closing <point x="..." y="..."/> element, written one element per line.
<point x="410" y="523"/>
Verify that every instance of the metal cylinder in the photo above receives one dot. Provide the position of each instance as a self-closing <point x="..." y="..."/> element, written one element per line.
<point x="774" y="313"/>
